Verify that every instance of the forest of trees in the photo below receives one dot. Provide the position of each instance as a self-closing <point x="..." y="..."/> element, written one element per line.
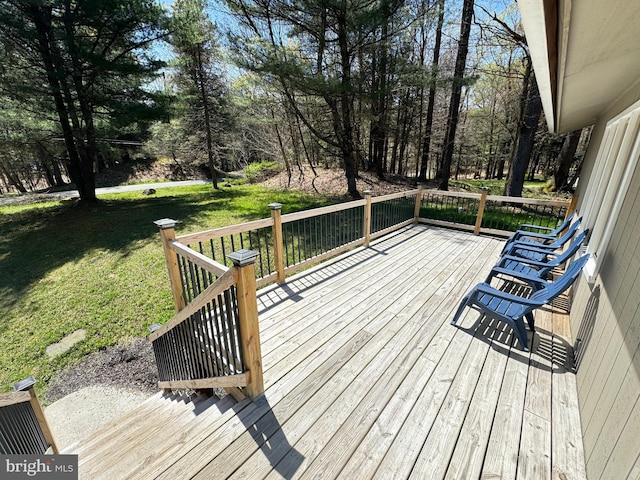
<point x="426" y="89"/>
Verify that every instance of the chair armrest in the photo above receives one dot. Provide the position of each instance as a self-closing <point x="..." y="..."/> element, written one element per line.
<point x="526" y="260"/>
<point x="531" y="279"/>
<point x="537" y="227"/>
<point x="538" y="247"/>
<point x="542" y="236"/>
<point x="489" y="290"/>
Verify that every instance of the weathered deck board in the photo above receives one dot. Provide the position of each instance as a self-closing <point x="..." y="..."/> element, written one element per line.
<point x="567" y="453"/>
<point x="534" y="460"/>
<point x="365" y="378"/>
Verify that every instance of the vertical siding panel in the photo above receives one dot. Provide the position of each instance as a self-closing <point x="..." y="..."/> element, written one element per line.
<point x="609" y="376"/>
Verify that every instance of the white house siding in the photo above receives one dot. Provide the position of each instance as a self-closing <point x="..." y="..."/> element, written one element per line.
<point x="606" y="316"/>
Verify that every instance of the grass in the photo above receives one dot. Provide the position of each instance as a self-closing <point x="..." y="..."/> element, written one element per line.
<point x="67" y="266"/>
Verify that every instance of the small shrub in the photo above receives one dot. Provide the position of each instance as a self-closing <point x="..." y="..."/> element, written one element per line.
<point x="259" y="171"/>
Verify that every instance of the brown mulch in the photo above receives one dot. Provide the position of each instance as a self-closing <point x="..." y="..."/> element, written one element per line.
<point x="130" y="366"/>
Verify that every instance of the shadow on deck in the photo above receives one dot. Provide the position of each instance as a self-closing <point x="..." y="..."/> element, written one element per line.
<point x="365" y="378"/>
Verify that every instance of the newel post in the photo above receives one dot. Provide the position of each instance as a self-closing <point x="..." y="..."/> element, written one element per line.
<point x="276" y="215"/>
<point x="416" y="210"/>
<point x="168" y="234"/>
<point x="483" y="202"/>
<point x="572" y="205"/>
<point x="243" y="261"/>
<point x="367" y="217"/>
<point x="27" y="385"/>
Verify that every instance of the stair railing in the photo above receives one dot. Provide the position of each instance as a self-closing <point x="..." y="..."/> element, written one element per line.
<point x="213" y="341"/>
<point x="23" y="427"/>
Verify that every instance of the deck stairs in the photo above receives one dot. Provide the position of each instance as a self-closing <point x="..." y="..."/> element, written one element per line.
<point x="144" y="438"/>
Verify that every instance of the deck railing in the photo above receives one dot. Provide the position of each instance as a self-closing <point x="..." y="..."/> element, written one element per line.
<point x="23" y="426"/>
<point x="214" y="340"/>
<point x="490" y="214"/>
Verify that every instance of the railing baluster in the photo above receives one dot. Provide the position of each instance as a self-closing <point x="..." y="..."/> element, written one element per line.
<point x="234" y="352"/>
<point x="216" y="362"/>
<point x="224" y="252"/>
<point x="199" y="342"/>
<point x="228" y="343"/>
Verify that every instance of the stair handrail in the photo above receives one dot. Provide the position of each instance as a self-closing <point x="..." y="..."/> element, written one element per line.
<point x="25" y="430"/>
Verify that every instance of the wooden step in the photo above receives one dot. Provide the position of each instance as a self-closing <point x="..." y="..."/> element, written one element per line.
<point x="152" y="427"/>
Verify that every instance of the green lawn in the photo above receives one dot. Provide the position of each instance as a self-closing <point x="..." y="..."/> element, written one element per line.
<point x="101" y="268"/>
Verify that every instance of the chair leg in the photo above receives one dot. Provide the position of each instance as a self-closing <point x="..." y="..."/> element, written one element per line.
<point x="521" y="333"/>
<point x="489" y="277"/>
<point x="530" y="321"/>
<point x="463" y="304"/>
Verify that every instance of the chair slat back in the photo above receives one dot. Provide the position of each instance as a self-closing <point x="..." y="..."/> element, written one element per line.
<point x="552" y="290"/>
<point x="571" y="251"/>
<point x="564" y="224"/>
<point x="568" y="235"/>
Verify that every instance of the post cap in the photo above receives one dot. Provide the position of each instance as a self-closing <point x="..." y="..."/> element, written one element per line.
<point x="275" y="206"/>
<point x="241" y="258"/>
<point x="368" y="192"/>
<point x="165" y="223"/>
<point x="485" y="188"/>
<point x="25" y="384"/>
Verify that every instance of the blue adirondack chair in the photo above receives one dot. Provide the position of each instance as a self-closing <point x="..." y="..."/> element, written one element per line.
<point x="517" y="247"/>
<point x="513" y="309"/>
<point x="547" y="232"/>
<point x="514" y="264"/>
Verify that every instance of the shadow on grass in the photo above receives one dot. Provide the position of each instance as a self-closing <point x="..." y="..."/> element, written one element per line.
<point x="35" y="242"/>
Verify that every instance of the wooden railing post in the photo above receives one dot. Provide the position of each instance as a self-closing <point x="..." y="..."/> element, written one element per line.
<point x="572" y="205"/>
<point x="278" y="255"/>
<point x="26" y="385"/>
<point x="367" y="217"/>
<point x="416" y="211"/>
<point x="168" y="233"/>
<point x="243" y="261"/>
<point x="483" y="202"/>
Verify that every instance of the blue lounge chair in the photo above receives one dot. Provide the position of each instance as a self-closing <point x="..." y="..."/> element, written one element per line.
<point x="547" y="232"/>
<point x="513" y="309"/>
<point x="517" y="247"/>
<point x="537" y="238"/>
<point x="513" y="264"/>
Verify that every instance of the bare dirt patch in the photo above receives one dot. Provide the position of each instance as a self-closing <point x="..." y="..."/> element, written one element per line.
<point x="332" y="182"/>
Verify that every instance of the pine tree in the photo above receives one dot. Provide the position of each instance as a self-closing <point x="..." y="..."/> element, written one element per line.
<point x="88" y="59"/>
<point x="201" y="88"/>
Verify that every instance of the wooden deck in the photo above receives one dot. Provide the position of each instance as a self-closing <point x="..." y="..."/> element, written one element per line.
<point x="365" y="378"/>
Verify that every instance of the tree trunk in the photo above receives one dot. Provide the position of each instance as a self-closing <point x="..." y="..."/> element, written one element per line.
<point x="379" y="104"/>
<point x="526" y="137"/>
<point x="87" y="135"/>
<point x="456" y="93"/>
<point x="13" y="179"/>
<point x="41" y="18"/>
<point x="346" y="108"/>
<point x="207" y="119"/>
<point x="57" y="174"/>
<point x="283" y="151"/>
<point x="565" y="160"/>
<point x="426" y="142"/>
